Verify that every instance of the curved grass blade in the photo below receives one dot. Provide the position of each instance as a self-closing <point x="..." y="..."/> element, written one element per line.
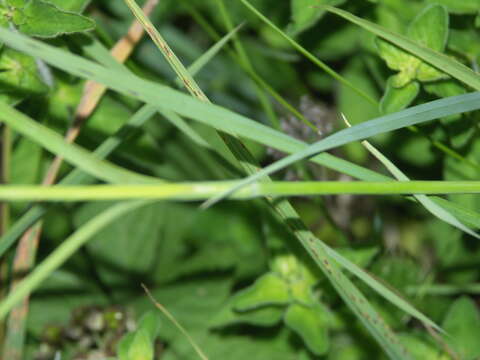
<point x="414" y="115"/>
<point x="430" y="205"/>
<point x="71" y="152"/>
<point x="468" y="216"/>
<point x="438" y="60"/>
<point x="64" y="251"/>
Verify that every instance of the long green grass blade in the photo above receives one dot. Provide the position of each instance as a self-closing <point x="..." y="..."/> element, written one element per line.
<point x="71" y="152"/>
<point x="438" y="60"/>
<point x="412" y="116"/>
<point x="63" y="252"/>
<point x="203" y="190"/>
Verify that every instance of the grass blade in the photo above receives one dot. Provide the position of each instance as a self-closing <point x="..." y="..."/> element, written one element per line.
<point x="71" y="152"/>
<point x="151" y="93"/>
<point x="430" y="205"/>
<point x="414" y="115"/>
<point x="192" y="191"/>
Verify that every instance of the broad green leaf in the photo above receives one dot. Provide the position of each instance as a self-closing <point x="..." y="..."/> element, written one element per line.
<point x="43" y="19"/>
<point x="465" y="42"/>
<point x="434" y="58"/>
<point x="76" y="6"/>
<point x="311" y="324"/>
<point x="422" y="349"/>
<point x="445" y="88"/>
<point x="124" y="345"/>
<point x="462" y="323"/>
<point x="427" y="73"/>
<point x="195" y="313"/>
<point x="459" y="6"/>
<point x="430" y="29"/>
<point x="305" y="13"/>
<point x="355" y="108"/>
<point x="398" y="98"/>
<point x="19" y="74"/>
<point x="270" y="289"/>
<point x="399" y="60"/>
<point x="263" y="344"/>
<point x="141" y="347"/>
<point x="263" y="316"/>
<point x="26" y="162"/>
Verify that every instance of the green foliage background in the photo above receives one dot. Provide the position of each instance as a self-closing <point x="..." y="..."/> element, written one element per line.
<point x="231" y="275"/>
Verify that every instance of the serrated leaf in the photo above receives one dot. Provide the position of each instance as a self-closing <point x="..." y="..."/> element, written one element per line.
<point x="462" y="323"/>
<point x="396" y="99"/>
<point x="39" y="18"/>
<point x="305" y="13"/>
<point x="311" y="324"/>
<point x="267" y="290"/>
<point x="19" y="75"/>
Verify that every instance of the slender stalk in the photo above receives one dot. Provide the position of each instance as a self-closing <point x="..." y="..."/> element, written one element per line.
<point x="203" y="190"/>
